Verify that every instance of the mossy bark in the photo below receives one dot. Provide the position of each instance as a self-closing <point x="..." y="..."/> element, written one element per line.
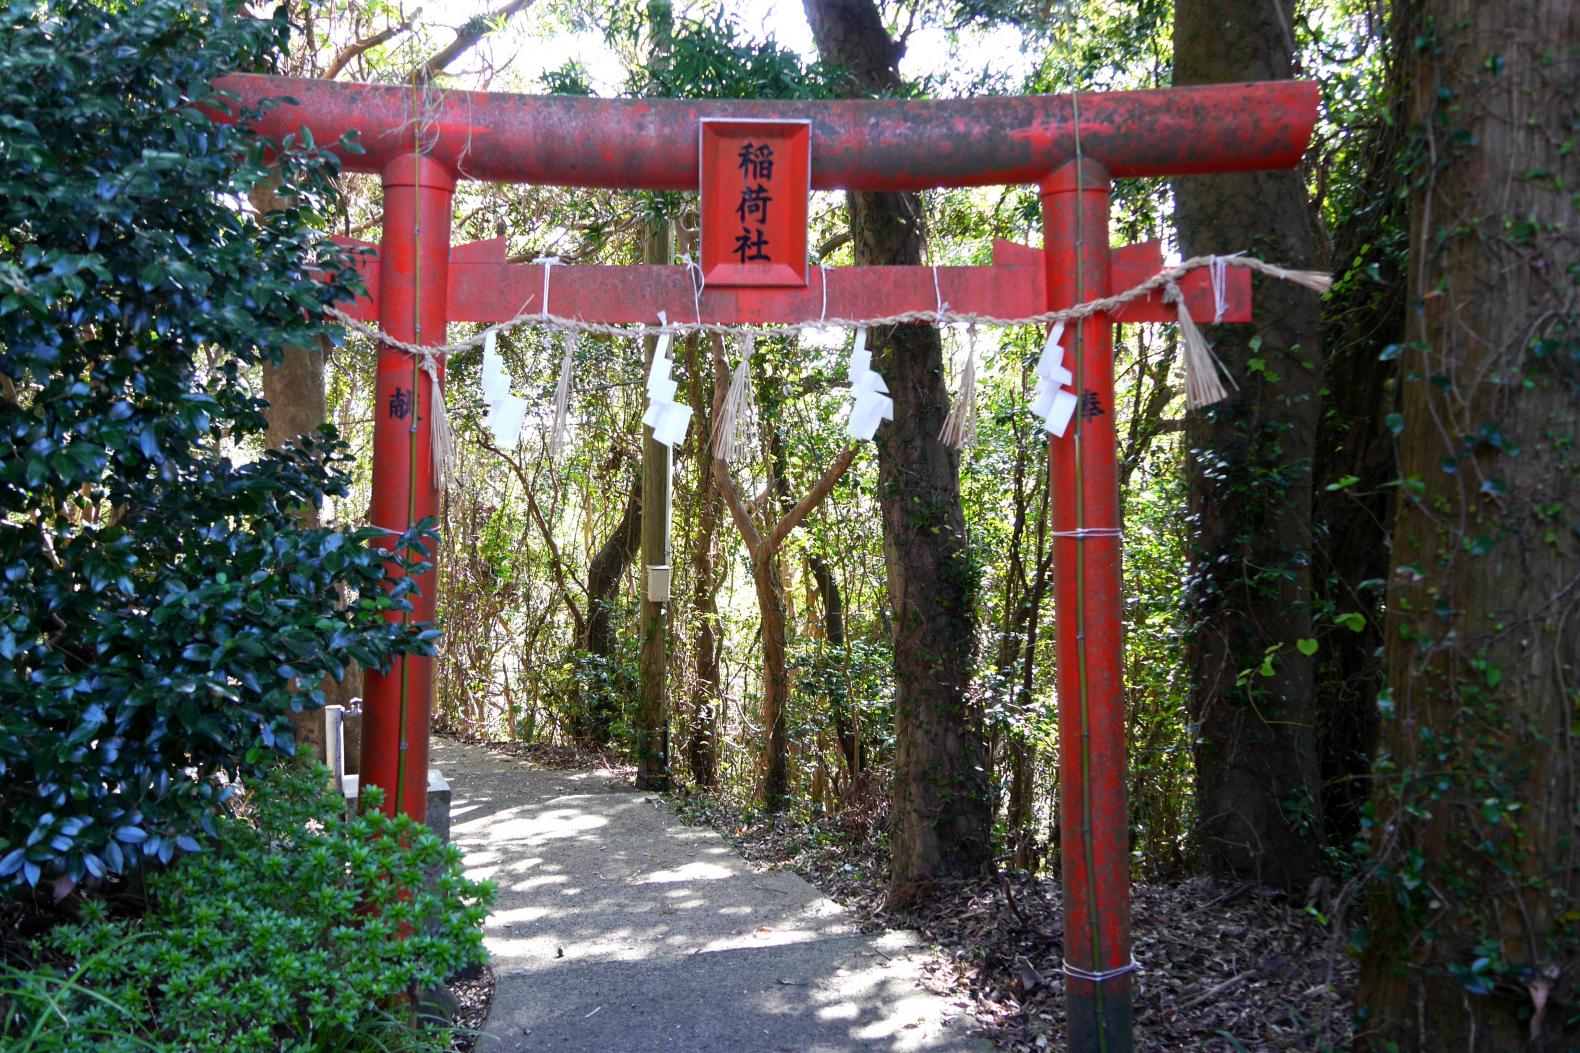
<point x="942" y="803"/>
<point x="1471" y="941"/>
<point x="1249" y="472"/>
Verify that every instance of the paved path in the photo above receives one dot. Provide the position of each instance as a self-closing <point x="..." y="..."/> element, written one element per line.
<point x="620" y="929"/>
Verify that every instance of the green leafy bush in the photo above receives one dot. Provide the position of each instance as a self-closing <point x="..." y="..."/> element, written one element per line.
<point x="291" y="933"/>
<point x="161" y="608"/>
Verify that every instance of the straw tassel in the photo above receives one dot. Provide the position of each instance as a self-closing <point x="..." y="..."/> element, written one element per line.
<point x="1202" y="386"/>
<point x="729" y="436"/>
<point x="1317" y="281"/>
<point x="960" y="427"/>
<point x="438" y="424"/>
<point x="562" y="395"/>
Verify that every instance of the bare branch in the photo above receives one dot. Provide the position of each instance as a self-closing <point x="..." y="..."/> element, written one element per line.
<point x="556" y="563"/>
<point x="467" y="37"/>
<point x="764" y="548"/>
<point x="830" y="244"/>
<point x="350" y="52"/>
<point x="738" y="512"/>
<point x="810" y="501"/>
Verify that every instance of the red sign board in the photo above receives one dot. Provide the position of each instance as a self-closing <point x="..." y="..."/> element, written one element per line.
<point x="756" y="177"/>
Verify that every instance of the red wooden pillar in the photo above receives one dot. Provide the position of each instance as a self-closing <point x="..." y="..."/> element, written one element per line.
<point x="1094" y="833"/>
<point x="414" y="258"/>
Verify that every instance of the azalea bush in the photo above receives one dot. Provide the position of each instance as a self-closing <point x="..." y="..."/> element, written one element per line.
<point x="299" y="927"/>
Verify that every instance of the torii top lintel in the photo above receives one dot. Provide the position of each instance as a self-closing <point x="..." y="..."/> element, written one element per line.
<point x="861" y="144"/>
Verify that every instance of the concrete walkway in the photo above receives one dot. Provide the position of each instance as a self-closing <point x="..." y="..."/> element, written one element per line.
<point x="621" y="930"/>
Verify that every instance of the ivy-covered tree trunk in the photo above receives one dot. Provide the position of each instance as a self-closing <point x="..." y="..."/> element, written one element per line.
<point x="1353" y="504"/>
<point x="942" y="804"/>
<point x="702" y="742"/>
<point x="1471" y="940"/>
<point x="1249" y="472"/>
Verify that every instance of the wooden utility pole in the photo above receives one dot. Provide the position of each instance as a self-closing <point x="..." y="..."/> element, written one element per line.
<point x="652" y="712"/>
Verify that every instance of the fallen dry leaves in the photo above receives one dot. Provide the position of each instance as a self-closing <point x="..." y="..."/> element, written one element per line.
<point x="1224" y="967"/>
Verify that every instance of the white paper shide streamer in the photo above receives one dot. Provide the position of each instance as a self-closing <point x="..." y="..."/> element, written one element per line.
<point x="668" y="418"/>
<point x="1054" y="403"/>
<point x="1055" y="400"/>
<point x="871" y="404"/>
<point x="506" y="412"/>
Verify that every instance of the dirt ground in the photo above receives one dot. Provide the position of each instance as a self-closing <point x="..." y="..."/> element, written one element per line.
<point x="1224" y="967"/>
<point x="1235" y="968"/>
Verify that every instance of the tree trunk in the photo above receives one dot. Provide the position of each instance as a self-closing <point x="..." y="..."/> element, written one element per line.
<point x="1249" y="472"/>
<point x="776" y="678"/>
<point x="764" y="546"/>
<point x="822" y="574"/>
<point x="1471" y="937"/>
<point x="834" y="639"/>
<point x="1353" y="502"/>
<point x="702" y="744"/>
<point x="595" y="717"/>
<point x="942" y="804"/>
<point x="294" y="390"/>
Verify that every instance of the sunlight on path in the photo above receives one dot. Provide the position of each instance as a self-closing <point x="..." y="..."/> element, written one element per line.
<point x="619" y="929"/>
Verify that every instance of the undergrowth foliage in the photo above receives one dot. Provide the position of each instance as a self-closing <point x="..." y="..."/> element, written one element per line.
<point x="161" y="607"/>
<point x="303" y="930"/>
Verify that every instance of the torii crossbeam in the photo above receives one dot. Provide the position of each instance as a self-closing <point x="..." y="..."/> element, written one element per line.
<point x="1071" y="147"/>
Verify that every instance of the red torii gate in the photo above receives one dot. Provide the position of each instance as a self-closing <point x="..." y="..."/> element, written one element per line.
<point x="1071" y="147"/>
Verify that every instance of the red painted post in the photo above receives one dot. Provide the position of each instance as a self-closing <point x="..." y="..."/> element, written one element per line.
<point x="1094" y="842"/>
<point x="412" y="297"/>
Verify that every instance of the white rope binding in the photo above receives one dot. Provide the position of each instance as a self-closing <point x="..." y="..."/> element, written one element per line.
<point x="941" y="312"/>
<point x="694" y="272"/>
<point x="1078" y="973"/>
<point x="548" y="263"/>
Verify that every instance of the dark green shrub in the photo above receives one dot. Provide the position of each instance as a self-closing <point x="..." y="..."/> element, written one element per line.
<point x="290" y="932"/>
<point x="161" y="609"/>
<point x="853" y="683"/>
